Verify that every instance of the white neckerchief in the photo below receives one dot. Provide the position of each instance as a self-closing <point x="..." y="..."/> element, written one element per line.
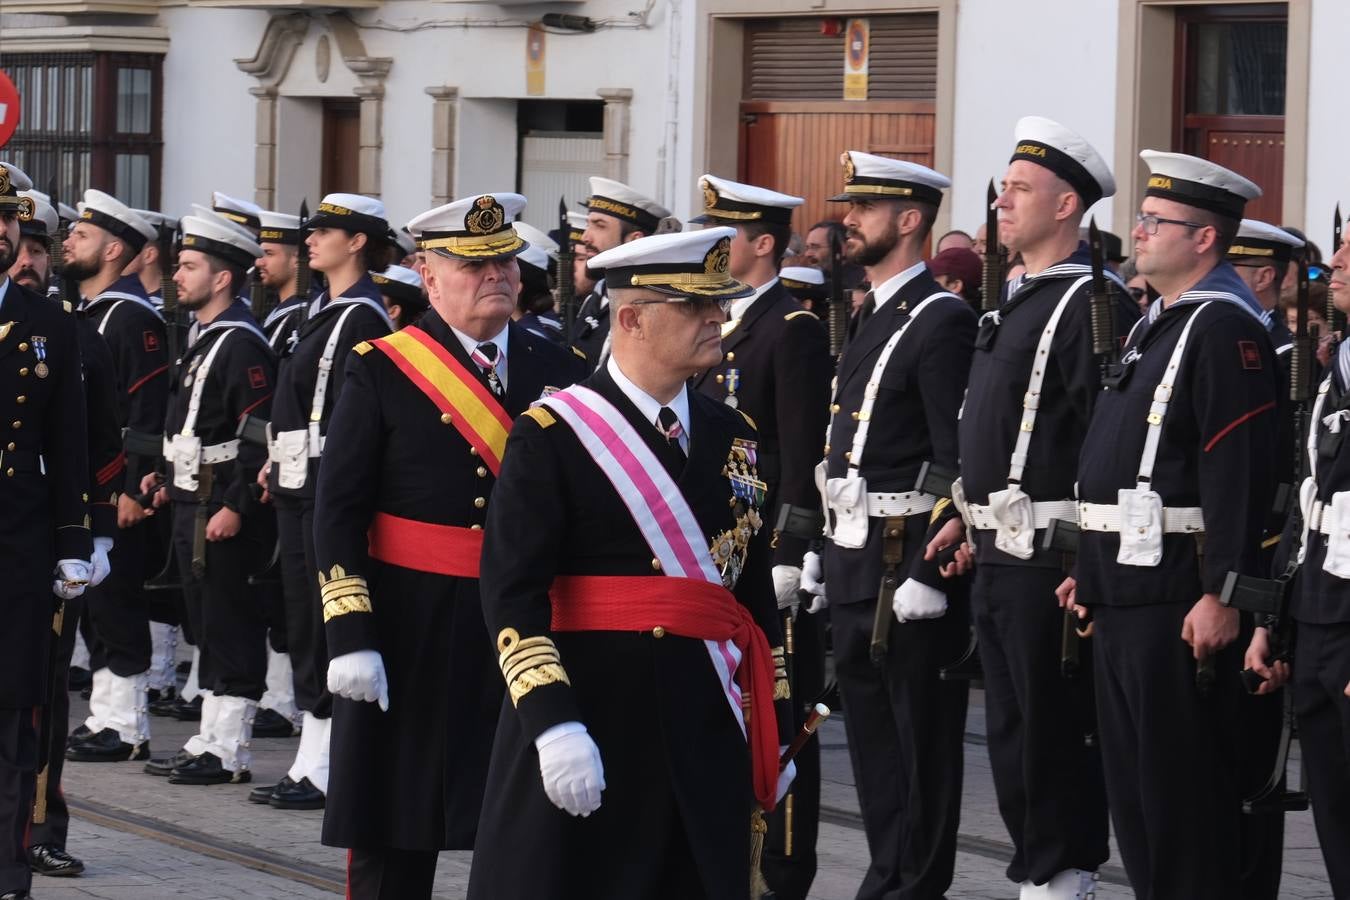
<point x="648" y="405"/>
<point x="882" y="293"/>
<point x="470" y="345"/>
<point x="742" y="306"/>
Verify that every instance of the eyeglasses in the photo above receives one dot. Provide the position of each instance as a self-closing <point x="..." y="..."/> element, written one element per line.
<point x="695" y="305"/>
<point x="1137" y="293"/>
<point x="1150" y="223"/>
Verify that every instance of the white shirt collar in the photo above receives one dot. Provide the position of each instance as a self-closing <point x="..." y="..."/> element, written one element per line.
<point x="648" y="405"/>
<point x="882" y="293"/>
<point x="4" y="289"/>
<point x="742" y="306"/>
<point x="469" y="344"/>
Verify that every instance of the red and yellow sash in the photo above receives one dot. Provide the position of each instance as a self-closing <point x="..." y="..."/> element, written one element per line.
<point x="457" y="392"/>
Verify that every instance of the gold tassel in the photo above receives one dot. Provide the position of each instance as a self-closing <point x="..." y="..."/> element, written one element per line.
<point x="758" y="829"/>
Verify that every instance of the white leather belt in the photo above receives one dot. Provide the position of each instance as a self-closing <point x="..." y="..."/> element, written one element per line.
<point x="1106" y="517"/>
<point x="216" y="453"/>
<point x="982" y="518"/>
<point x="313" y="449"/>
<point x="909" y="503"/>
<point x="1316" y="522"/>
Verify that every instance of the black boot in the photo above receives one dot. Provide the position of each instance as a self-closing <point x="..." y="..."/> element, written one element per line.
<point x="298" y="795"/>
<point x="263" y="792"/>
<point x="106" y="746"/>
<point x="185" y="711"/>
<point x="49" y="859"/>
<point x="269" y="723"/>
<point x="165" y="703"/>
<point x="164" y="765"/>
<point x="207" y="769"/>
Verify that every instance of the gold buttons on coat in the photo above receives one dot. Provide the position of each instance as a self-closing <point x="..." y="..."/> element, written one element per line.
<point x="658" y="632"/>
<point x="731" y="357"/>
<point x="481" y="472"/>
<point x="656" y="565"/>
<point x="475" y="527"/>
<point x="480" y="502"/>
<point x="473" y="451"/>
<point x="835" y="407"/>
<point x="21" y="399"/>
<point x="445" y="418"/>
<point x="16" y="424"/>
<point x="23" y="372"/>
<point x="720" y="378"/>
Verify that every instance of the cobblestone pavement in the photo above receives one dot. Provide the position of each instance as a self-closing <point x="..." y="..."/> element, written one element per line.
<point x="143" y="839"/>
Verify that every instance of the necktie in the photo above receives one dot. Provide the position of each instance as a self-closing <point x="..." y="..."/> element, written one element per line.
<point x="669" y="425"/>
<point x="485" y="357"/>
<point x="869" y="306"/>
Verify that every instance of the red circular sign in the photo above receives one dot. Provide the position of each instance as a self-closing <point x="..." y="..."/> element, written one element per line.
<point x="9" y="108"/>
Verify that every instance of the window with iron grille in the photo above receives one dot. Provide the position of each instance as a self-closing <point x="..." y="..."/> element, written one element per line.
<point x="89" y="120"/>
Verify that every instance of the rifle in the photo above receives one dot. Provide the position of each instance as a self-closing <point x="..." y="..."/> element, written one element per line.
<point x="1270" y="597"/>
<point x="934" y="479"/>
<point x="567" y="290"/>
<point x="994" y="253"/>
<point x="303" y="276"/>
<point x="1335" y="318"/>
<point x="168" y="290"/>
<point x="257" y="297"/>
<point x="838" y="304"/>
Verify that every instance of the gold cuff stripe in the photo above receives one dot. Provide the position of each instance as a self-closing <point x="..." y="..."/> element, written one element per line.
<point x="781" y="690"/>
<point x="552" y="673"/>
<point x="340" y="606"/>
<point x="513" y="669"/>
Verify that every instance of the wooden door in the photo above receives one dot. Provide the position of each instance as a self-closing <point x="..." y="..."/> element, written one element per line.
<point x="339" y="172"/>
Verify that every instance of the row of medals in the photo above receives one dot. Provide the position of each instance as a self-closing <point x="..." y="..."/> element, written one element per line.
<point x="729" y="548"/>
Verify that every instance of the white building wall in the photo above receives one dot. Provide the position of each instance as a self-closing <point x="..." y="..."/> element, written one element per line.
<point x="1058" y="62"/>
<point x="1328" y="128"/>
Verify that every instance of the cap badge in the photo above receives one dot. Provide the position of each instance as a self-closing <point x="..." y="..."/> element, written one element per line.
<point x="487" y="217"/>
<point x="27" y="209"/>
<point x="718" y="260"/>
<point x="849" y="171"/>
<point x="709" y="196"/>
<point x="4" y="180"/>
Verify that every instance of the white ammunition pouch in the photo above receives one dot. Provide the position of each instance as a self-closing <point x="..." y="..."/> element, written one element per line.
<point x="1336" y="526"/>
<point x="847" y="498"/>
<point x="1014" y="521"/>
<point x="184" y="450"/>
<point x="1141" y="527"/>
<point x="184" y="453"/>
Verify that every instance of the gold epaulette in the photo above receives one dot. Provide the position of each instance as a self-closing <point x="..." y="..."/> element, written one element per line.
<point x="528" y="663"/>
<point x="342" y="593"/>
<point x="799" y="312"/>
<point x="363" y="348"/>
<point x="66" y="305"/>
<point x="578" y="351"/>
<point x="748" y="419"/>
<point x="540" y="415"/>
<point x="781" y="689"/>
<point x="941" y="505"/>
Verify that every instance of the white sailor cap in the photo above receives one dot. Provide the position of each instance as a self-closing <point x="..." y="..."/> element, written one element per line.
<point x="12" y="181"/>
<point x="679" y="264"/>
<point x="1197" y="182"/>
<point x="158" y="219"/>
<point x="804" y="282"/>
<point x="115" y="217"/>
<point x="622" y="202"/>
<point x="242" y="212"/>
<point x="206" y="212"/>
<point x="867" y="176"/>
<point x="42" y="219"/>
<point x="217" y="239"/>
<point x="67" y="212"/>
<point x="731" y="201"/>
<point x="402" y="285"/>
<point x="1264" y="241"/>
<point x="278" y="228"/>
<point x="1052" y="146"/>
<point x="406" y="242"/>
<point x="540" y="251"/>
<point x="576" y="226"/>
<point x="477" y="227"/>
<point x="353" y="213"/>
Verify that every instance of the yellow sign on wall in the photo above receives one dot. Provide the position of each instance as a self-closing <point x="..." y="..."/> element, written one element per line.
<point x="534" y="61"/>
<point x="857" y="38"/>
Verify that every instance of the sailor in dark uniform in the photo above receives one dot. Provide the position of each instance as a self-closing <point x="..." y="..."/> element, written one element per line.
<point x="404" y="296"/>
<point x="583" y="280"/>
<point x="44" y="474"/>
<point x="901" y="378"/>
<point x="347" y="241"/>
<point x="630" y="661"/>
<point x="219" y="536"/>
<point x="403" y="495"/>
<point x="807" y="286"/>
<point x="534" y="309"/>
<point x="147" y="265"/>
<point x="776" y="368"/>
<point x="105" y="238"/>
<point x="244" y="213"/>
<point x="1021" y="430"/>
<point x="32" y="269"/>
<point x="615" y="214"/>
<point x="280" y="238"/>
<point x="1320" y="609"/>
<point x="1181" y="452"/>
<point x="1262" y="253"/>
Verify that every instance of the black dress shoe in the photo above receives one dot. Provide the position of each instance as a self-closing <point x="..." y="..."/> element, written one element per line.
<point x="16" y="895"/>
<point x="82" y="733"/>
<point x="106" y="746"/>
<point x="165" y="704"/>
<point x="49" y="859"/>
<point x="79" y="678"/>
<point x="270" y="723"/>
<point x="207" y="769"/>
<point x="164" y="766"/>
<point x="184" y="667"/>
<point x="184" y="711"/>
<point x="298" y="795"/>
<point x="263" y="792"/>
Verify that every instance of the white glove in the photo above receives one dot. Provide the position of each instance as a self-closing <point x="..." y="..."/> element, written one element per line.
<point x="569" y="764"/>
<point x="813" y="583"/>
<point x="916" y="600"/>
<point x="99" y="563"/>
<point x="787" y="581"/>
<point x="785" y="778"/>
<point x="359" y="676"/>
<point x="72" y="575"/>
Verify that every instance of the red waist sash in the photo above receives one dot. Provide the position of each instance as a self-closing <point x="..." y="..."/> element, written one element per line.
<point x="690" y="608"/>
<point x="425" y="547"/>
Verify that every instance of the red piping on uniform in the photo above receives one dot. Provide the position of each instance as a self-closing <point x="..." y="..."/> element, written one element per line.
<point x="111" y="470"/>
<point x="137" y="386"/>
<point x="254" y="406"/>
<point x="1236" y="422"/>
<point x="349" y="874"/>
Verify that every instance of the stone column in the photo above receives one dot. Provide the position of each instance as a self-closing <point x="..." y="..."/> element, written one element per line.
<point x="372" y="139"/>
<point x="265" y="147"/>
<point x="444" y="116"/>
<point x="618" y="116"/>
